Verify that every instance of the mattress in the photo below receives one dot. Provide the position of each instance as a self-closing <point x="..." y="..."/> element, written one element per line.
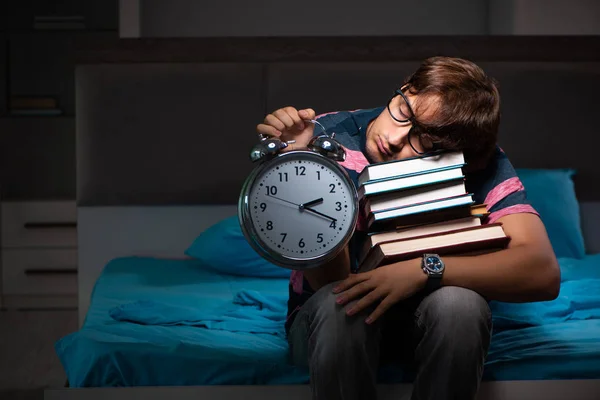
<point x="161" y="322"/>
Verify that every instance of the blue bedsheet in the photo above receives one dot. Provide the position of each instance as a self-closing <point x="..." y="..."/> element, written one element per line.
<point x="157" y="322"/>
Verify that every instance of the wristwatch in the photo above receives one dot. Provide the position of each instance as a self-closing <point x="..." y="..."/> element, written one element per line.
<point x="433" y="266"/>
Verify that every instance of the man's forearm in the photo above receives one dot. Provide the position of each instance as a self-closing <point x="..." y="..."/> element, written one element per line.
<point x="516" y="274"/>
<point x="335" y="270"/>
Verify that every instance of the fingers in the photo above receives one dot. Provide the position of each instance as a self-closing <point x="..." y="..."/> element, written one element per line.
<point x="275" y="122"/>
<point x="268" y="130"/>
<point x="307" y="113"/>
<point x="283" y="119"/>
<point x="385" y="304"/>
<point x="350" y="281"/>
<point x="289" y="124"/>
<point x="366" y="301"/>
<point x="290" y="118"/>
<point x="355" y="291"/>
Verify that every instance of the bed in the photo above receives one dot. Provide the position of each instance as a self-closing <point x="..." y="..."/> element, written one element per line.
<point x="188" y="322"/>
<point x="165" y="322"/>
<point x="173" y="303"/>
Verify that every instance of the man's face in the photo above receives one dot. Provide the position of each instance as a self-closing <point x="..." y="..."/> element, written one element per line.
<point x="387" y="139"/>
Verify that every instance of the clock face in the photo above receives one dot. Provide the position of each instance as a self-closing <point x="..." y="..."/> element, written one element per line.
<point x="301" y="207"/>
<point x="434" y="264"/>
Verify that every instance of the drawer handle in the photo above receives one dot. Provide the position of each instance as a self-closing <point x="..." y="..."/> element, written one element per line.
<point x="45" y="225"/>
<point x="52" y="271"/>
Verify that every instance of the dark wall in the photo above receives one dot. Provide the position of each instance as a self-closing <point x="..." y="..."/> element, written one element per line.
<point x="168" y="133"/>
<point x="37" y="59"/>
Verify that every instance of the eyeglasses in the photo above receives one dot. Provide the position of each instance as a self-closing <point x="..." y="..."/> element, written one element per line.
<point x="400" y="110"/>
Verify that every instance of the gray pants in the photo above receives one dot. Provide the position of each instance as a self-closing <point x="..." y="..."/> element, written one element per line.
<point x="444" y="336"/>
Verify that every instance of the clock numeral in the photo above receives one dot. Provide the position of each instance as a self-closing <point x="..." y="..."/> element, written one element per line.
<point x="300" y="171"/>
<point x="271" y="190"/>
<point x="269" y="225"/>
<point x="263" y="207"/>
<point x="282" y="176"/>
<point x="332" y="186"/>
<point x="284" y="236"/>
<point x="332" y="225"/>
<point x="338" y="206"/>
<point x="301" y="243"/>
<point x="318" y="175"/>
<point x="319" y="238"/>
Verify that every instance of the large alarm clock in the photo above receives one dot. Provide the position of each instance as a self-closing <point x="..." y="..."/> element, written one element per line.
<point x="298" y="209"/>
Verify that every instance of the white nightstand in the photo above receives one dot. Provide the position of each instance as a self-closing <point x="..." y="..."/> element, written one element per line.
<point x="39" y="254"/>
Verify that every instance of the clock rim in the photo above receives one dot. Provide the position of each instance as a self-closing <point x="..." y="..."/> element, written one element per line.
<point x="251" y="235"/>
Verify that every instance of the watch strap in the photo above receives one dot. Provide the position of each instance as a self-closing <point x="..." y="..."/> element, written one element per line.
<point x="433" y="283"/>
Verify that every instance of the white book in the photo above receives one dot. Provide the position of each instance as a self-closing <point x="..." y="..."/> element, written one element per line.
<point x="416" y="195"/>
<point x="421" y="213"/>
<point x="411" y="181"/>
<point x="411" y="165"/>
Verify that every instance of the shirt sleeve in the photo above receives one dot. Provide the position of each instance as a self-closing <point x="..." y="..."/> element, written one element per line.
<point x="500" y="189"/>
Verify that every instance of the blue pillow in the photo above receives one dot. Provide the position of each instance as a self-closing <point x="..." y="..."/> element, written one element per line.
<point x="223" y="248"/>
<point x="552" y="193"/>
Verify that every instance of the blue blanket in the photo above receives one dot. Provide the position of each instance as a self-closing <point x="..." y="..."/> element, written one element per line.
<point x="249" y="312"/>
<point x="172" y="322"/>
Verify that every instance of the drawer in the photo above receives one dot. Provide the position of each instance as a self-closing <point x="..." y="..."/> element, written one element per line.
<point x="39" y="224"/>
<point x="39" y="271"/>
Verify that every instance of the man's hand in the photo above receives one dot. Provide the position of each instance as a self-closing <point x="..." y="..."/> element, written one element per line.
<point x="387" y="284"/>
<point x="289" y="124"/>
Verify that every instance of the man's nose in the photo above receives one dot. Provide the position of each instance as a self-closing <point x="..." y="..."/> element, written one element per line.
<point x="398" y="137"/>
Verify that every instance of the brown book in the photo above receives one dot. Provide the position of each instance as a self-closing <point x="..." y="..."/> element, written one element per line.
<point x="416" y="231"/>
<point x="474" y="240"/>
<point x="476" y="210"/>
<point x="480" y="209"/>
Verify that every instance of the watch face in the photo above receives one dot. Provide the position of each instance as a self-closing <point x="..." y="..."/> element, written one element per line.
<point x="434" y="264"/>
<point x="301" y="207"/>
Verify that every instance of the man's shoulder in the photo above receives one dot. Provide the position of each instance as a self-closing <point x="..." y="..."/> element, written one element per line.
<point x="349" y="126"/>
<point x="499" y="187"/>
<point x="498" y="167"/>
<point x="352" y="118"/>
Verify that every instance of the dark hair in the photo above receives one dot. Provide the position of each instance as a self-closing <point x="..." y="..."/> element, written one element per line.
<point x="469" y="109"/>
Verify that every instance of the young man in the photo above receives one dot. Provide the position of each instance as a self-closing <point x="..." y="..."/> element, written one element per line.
<point x="344" y="324"/>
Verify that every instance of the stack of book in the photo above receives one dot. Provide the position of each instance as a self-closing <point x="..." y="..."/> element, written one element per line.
<point x="420" y="205"/>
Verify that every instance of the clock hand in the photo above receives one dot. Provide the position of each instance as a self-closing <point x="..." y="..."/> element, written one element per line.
<point x="279" y="198"/>
<point x="304" y="208"/>
<point x="311" y="203"/>
<point x="319" y="213"/>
